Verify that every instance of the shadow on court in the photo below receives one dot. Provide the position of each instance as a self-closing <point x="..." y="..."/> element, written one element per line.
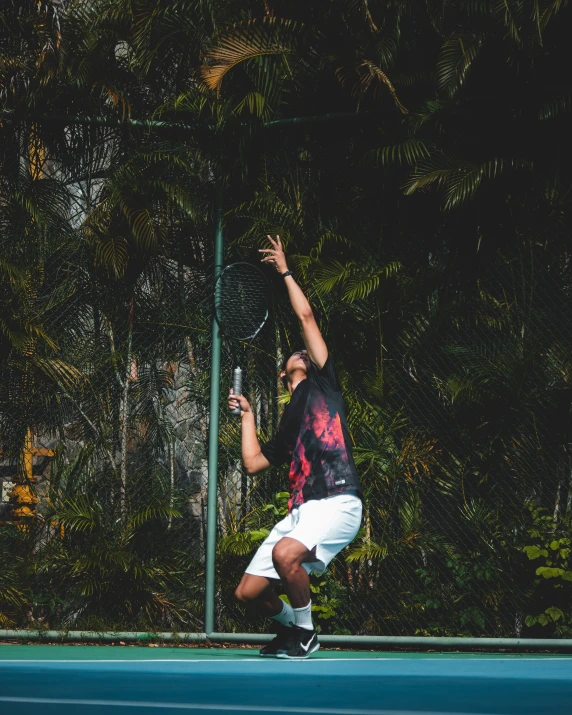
<point x="65" y="680"/>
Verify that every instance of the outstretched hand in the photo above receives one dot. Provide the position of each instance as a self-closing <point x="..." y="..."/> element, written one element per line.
<point x="275" y="255"/>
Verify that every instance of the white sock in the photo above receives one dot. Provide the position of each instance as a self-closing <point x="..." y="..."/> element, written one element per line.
<point x="286" y="615"/>
<point x="303" y="617"/>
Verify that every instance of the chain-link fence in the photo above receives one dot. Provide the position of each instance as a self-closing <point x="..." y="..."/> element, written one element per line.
<point x="461" y="434"/>
<point x="103" y="465"/>
<point x="462" y="438"/>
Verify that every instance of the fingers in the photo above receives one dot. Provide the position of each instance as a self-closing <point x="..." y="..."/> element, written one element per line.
<point x="276" y="249"/>
<point x="276" y="242"/>
<point x="274" y="255"/>
<point x="240" y="401"/>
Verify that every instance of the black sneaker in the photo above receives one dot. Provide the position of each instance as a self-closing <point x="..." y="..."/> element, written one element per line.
<point x="299" y="644"/>
<point x="269" y="650"/>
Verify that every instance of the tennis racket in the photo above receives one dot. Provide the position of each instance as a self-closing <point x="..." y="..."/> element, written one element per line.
<point x="241" y="308"/>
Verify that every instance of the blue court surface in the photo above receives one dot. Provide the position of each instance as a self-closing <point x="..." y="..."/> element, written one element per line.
<point x="91" y="680"/>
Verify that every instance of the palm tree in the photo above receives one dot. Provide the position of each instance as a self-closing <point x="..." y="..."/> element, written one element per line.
<point x="424" y="201"/>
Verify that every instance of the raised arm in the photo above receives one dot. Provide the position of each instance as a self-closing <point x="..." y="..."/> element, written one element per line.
<point x="252" y="458"/>
<point x="313" y="340"/>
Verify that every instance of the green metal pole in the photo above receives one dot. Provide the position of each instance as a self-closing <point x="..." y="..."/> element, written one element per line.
<point x="103" y="637"/>
<point x="157" y="124"/>
<point x="414" y="642"/>
<point x="319" y="118"/>
<point x="150" y="124"/>
<point x="210" y="574"/>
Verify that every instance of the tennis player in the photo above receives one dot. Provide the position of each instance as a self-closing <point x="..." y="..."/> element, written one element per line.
<point x="324" y="509"/>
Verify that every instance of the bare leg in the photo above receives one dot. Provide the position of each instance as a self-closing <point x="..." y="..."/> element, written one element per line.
<point x="288" y="556"/>
<point x="259" y="594"/>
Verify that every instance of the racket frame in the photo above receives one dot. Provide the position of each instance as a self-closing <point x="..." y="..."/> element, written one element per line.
<point x="220" y="323"/>
<point x="248" y="338"/>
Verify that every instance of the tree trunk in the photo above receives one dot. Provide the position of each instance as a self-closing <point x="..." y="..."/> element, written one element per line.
<point x="124" y="411"/>
<point x="569" y="499"/>
<point x="172" y="477"/>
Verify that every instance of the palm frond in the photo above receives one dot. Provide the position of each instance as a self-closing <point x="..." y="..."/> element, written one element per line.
<point x="79" y="513"/>
<point x="459" y="179"/>
<point x="111" y="253"/>
<point x="457" y="57"/>
<point x="409" y="152"/>
<point x="369" y="77"/>
<point x="361" y="282"/>
<point x="328" y="277"/>
<point x="245" y="41"/>
<point x="437" y="169"/>
<point x="152" y="512"/>
<point x="367" y="550"/>
<point x="555" y="106"/>
<point x="242" y="543"/>
<point x="65" y="375"/>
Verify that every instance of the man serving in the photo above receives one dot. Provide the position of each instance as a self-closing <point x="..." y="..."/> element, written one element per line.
<point x="324" y="509"/>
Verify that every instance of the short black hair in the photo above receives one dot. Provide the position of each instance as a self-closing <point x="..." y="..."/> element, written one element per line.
<point x="283" y="366"/>
<point x="285" y="360"/>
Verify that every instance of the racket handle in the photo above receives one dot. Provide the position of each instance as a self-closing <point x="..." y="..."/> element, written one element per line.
<point x="236" y="388"/>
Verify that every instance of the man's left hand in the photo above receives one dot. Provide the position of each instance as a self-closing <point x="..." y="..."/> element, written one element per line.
<point x="275" y="255"/>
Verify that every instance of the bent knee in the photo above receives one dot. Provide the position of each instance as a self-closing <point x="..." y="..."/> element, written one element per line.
<point x="243" y="594"/>
<point x="247" y="592"/>
<point x="284" y="557"/>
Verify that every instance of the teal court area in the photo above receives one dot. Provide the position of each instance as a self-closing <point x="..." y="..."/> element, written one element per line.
<point x="119" y="680"/>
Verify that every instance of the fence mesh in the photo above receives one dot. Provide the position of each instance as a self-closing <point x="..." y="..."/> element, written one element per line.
<point x="103" y="469"/>
<point x="462" y="439"/>
<point x="461" y="429"/>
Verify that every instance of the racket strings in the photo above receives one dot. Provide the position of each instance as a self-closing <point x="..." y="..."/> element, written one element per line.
<point x="241" y="301"/>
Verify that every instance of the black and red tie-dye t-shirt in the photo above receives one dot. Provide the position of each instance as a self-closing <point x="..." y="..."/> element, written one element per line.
<point x="313" y="438"/>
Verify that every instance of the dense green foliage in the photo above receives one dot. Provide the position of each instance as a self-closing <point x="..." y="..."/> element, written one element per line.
<point x="424" y="197"/>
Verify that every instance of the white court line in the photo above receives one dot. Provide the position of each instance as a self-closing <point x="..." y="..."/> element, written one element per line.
<point x="215" y="707"/>
<point x="504" y="659"/>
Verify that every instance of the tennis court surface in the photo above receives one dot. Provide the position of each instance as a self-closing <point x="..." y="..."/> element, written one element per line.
<point x="112" y="680"/>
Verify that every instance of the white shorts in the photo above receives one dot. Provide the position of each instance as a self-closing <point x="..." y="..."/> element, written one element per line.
<point x="328" y="524"/>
